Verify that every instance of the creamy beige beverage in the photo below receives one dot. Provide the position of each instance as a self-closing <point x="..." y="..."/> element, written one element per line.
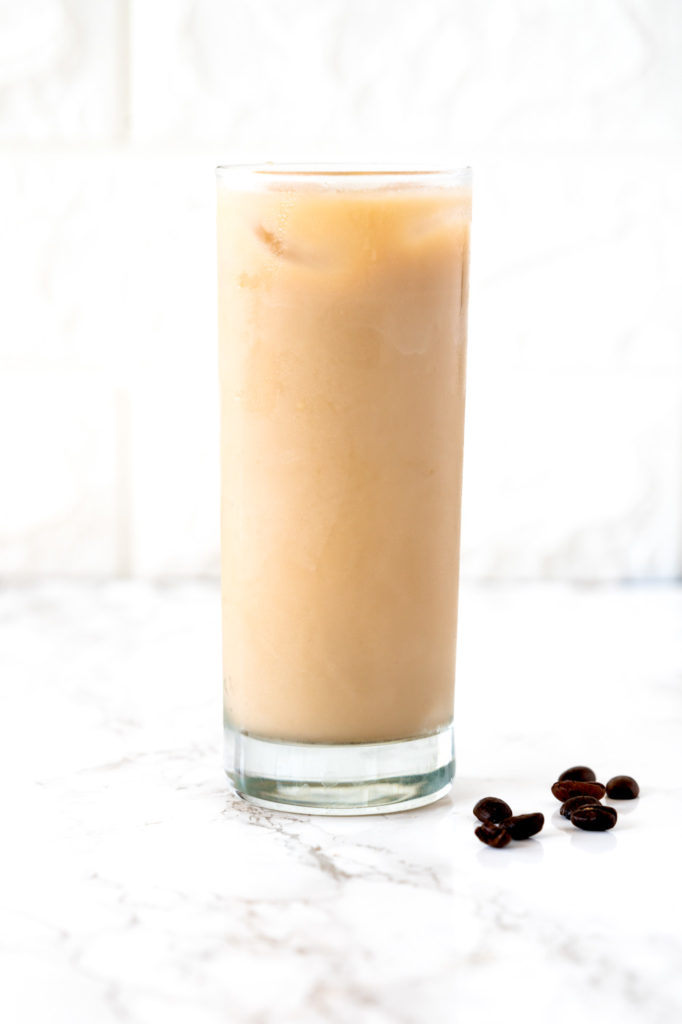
<point x="342" y="359"/>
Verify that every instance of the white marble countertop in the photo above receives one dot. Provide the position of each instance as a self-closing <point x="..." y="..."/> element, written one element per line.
<point x="137" y="887"/>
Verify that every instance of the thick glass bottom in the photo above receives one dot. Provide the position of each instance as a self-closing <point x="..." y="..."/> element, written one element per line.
<point x="343" y="778"/>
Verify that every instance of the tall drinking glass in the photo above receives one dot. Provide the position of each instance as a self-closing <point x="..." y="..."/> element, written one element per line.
<point x="342" y="309"/>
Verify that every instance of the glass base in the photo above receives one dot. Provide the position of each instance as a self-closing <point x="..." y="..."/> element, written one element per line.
<point x="343" y="778"/>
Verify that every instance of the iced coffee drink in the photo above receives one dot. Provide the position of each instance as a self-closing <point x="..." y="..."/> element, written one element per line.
<point x="342" y="307"/>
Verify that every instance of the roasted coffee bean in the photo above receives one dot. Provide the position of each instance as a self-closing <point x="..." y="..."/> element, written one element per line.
<point x="594" y="817"/>
<point x="490" y="808"/>
<point x="574" y="802"/>
<point x="492" y="834"/>
<point x="622" y="787"/>
<point x="578" y="774"/>
<point x="523" y="826"/>
<point x="562" y="790"/>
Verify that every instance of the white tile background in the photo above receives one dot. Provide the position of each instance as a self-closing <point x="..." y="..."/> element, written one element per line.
<point x="112" y="116"/>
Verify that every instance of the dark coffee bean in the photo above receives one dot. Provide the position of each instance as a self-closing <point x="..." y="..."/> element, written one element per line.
<point x="492" y="834"/>
<point x="562" y="790"/>
<point x="622" y="787"/>
<point x="578" y="774"/>
<point x="490" y="808"/>
<point x="594" y="817"/>
<point x="523" y="826"/>
<point x="574" y="802"/>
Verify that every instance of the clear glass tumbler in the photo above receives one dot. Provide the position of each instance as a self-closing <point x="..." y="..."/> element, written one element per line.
<point x="342" y="310"/>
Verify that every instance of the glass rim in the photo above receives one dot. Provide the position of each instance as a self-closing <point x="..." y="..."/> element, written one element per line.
<point x="371" y="174"/>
